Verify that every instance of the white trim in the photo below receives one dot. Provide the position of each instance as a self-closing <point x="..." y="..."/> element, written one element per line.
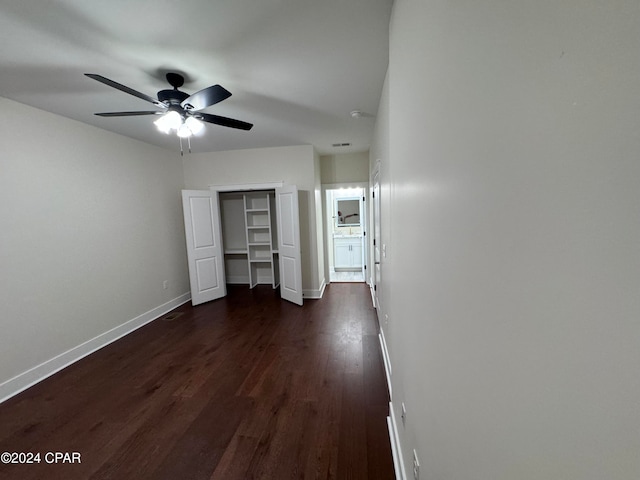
<point x="24" y="380"/>
<point x="386" y="361"/>
<point x="245" y="187"/>
<point x="373" y="294"/>
<point x="396" y="450"/>
<point x="315" y="294"/>
<point x="335" y="186"/>
<point x="328" y="239"/>
<point x="375" y="171"/>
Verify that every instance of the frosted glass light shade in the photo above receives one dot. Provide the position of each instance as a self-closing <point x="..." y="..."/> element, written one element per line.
<point x="169" y="121"/>
<point x="184" y="131"/>
<point x="194" y="125"/>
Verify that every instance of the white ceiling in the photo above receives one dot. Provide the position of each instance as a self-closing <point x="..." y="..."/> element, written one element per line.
<point x="296" y="68"/>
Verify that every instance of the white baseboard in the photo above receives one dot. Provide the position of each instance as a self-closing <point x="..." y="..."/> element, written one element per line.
<point x="386" y="361"/>
<point x="396" y="450"/>
<point x="21" y="382"/>
<point x="315" y="294"/>
<point x="373" y="295"/>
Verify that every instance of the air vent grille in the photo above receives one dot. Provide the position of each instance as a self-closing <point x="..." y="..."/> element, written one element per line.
<point x="341" y="145"/>
<point x="172" y="316"/>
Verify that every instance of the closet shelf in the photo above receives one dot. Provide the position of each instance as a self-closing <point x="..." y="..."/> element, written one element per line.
<point x="236" y="251"/>
<point x="257" y="210"/>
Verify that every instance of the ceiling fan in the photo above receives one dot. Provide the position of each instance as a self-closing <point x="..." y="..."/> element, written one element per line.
<point x="179" y="111"/>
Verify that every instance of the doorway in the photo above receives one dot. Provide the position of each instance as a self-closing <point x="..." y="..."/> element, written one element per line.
<point x="345" y="221"/>
<point x="262" y="233"/>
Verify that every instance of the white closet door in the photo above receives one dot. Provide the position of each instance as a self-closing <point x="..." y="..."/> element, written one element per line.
<point x="204" y="245"/>
<point x="288" y="223"/>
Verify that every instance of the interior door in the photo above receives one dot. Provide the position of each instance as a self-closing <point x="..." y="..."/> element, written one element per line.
<point x="288" y="223"/>
<point x="359" y="251"/>
<point x="204" y="245"/>
<point x="376" y="237"/>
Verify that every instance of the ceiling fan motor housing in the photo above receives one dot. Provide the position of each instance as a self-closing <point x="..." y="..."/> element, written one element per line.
<point x="172" y="97"/>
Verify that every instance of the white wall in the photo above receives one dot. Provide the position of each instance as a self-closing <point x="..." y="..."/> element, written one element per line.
<point x="298" y="165"/>
<point x="345" y="167"/>
<point x="91" y="225"/>
<point x="514" y="310"/>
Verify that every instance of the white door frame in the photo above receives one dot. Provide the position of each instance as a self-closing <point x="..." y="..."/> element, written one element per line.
<point x="245" y="187"/>
<point x="194" y="252"/>
<point x="248" y="187"/>
<point x="328" y="242"/>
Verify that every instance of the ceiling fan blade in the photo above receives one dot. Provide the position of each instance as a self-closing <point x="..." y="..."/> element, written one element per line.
<point x="128" y="114"/>
<point x="224" y="121"/>
<point x="206" y="97"/>
<point x="124" y="88"/>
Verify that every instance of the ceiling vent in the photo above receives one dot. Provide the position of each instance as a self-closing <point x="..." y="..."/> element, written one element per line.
<point x="341" y="145"/>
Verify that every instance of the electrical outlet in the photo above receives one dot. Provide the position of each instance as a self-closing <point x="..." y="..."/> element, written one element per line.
<point x="403" y="415"/>
<point x="416" y="466"/>
<point x="165" y="284"/>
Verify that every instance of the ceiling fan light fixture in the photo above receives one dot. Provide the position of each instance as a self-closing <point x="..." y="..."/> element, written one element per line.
<point x="162" y="126"/>
<point x="195" y="125"/>
<point x="169" y="121"/>
<point x="184" y="131"/>
<point x="180" y="111"/>
<point x="173" y="119"/>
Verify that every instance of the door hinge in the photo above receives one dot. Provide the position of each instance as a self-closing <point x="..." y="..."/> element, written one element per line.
<point x="374" y="242"/>
<point x="375" y="288"/>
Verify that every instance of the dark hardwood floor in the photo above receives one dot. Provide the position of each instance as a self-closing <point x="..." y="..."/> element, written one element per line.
<point x="246" y="387"/>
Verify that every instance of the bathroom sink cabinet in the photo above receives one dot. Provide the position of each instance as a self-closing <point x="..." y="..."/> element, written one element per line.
<point x="348" y="253"/>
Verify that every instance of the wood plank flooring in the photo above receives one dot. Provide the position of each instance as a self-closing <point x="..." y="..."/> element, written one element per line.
<point x="246" y="387"/>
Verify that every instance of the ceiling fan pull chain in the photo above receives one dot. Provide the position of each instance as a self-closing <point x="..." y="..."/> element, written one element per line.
<point x="189" y="142"/>
<point x="181" y="152"/>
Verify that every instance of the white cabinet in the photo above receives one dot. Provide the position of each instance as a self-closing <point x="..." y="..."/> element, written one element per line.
<point x="356" y="254"/>
<point x="347" y="252"/>
<point x="342" y="253"/>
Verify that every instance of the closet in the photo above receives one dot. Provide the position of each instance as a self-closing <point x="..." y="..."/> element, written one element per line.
<point x="250" y="238"/>
<point x="243" y="236"/>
